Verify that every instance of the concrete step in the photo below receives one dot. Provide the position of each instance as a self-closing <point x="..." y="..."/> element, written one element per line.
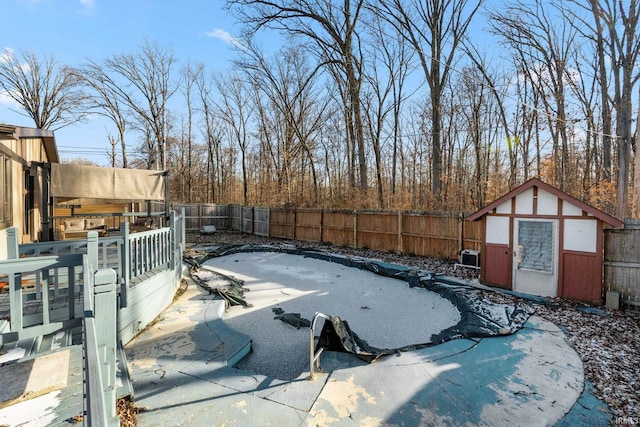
<point x="228" y="347"/>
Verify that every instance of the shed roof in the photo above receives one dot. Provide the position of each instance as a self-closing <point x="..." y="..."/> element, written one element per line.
<point x="535" y="182"/>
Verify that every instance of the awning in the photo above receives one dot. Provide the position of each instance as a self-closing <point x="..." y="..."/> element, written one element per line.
<point x="80" y="185"/>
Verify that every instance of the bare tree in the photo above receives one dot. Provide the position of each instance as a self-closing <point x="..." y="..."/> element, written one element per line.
<point x="389" y="64"/>
<point x="614" y="33"/>
<point x="585" y="91"/>
<point x="103" y="98"/>
<point x="331" y="29"/>
<point x="288" y="84"/>
<point x="624" y="49"/>
<point x="595" y="30"/>
<point x="435" y="30"/>
<point x="545" y="45"/>
<point x="45" y="92"/>
<point x="190" y="74"/>
<point x="146" y="75"/>
<point x="473" y="98"/>
<point x="490" y="80"/>
<point x="212" y="132"/>
<point x="235" y="110"/>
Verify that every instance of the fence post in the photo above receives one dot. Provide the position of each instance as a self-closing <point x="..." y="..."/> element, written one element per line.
<point x="174" y="238"/>
<point x="294" y="223"/>
<point x="12" y="243"/>
<point x="400" y="232"/>
<point x="268" y="222"/>
<point x="355" y="229"/>
<point x="104" y="294"/>
<point x="461" y="232"/>
<point x="183" y="229"/>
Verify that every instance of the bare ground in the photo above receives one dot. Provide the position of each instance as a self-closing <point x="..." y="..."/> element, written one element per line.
<point x="607" y="342"/>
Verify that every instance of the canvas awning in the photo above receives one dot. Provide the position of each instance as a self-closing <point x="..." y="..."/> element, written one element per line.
<point x="73" y="184"/>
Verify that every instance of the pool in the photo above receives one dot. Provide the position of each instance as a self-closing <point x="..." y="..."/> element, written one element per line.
<point x="382" y="309"/>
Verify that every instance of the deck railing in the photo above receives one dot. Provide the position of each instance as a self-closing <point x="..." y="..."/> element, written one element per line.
<point x="95" y="296"/>
<point x="39" y="304"/>
<point x="131" y="255"/>
<point x="59" y="286"/>
<point x="148" y="250"/>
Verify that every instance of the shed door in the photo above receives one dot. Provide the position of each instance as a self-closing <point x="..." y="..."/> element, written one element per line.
<point x="535" y="264"/>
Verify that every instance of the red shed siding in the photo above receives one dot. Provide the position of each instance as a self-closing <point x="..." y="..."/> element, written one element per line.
<point x="582" y="277"/>
<point x="497" y="265"/>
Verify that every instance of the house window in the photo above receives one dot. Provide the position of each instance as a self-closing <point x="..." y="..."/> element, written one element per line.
<point x="5" y="191"/>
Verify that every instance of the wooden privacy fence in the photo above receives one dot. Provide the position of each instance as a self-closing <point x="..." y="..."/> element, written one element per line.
<point x="622" y="262"/>
<point x="198" y="215"/>
<point x="439" y="236"/>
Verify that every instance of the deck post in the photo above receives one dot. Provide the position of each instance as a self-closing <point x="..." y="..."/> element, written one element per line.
<point x="183" y="230"/>
<point x="104" y="293"/>
<point x="92" y="250"/>
<point x="174" y="239"/>
<point x="125" y="264"/>
<point x="12" y="243"/>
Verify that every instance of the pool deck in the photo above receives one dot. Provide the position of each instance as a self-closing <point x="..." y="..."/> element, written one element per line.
<point x="182" y="375"/>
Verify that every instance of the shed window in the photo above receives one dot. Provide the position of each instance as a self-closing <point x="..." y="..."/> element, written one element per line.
<point x="535" y="242"/>
<point x="5" y="191"/>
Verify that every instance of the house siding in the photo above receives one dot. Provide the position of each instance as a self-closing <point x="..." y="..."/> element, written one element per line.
<point x="23" y="151"/>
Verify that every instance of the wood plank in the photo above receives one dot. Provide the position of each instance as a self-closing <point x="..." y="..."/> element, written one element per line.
<point x="622" y="263"/>
<point x="33" y="377"/>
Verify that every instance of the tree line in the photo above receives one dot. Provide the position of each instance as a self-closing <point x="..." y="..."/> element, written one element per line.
<point x="395" y="104"/>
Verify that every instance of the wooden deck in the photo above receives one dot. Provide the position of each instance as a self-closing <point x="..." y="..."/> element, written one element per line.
<point x="53" y="400"/>
<point x="65" y="310"/>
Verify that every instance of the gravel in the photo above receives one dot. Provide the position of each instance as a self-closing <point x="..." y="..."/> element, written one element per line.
<point x="608" y="342"/>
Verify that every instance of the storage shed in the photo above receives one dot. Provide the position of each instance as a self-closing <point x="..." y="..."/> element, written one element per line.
<point x="542" y="241"/>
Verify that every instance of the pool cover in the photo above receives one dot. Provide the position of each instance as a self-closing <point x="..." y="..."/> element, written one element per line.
<point x="480" y="317"/>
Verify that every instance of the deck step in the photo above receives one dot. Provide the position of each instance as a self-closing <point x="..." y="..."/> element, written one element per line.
<point x="56" y="341"/>
<point x="20" y="349"/>
<point x="58" y="401"/>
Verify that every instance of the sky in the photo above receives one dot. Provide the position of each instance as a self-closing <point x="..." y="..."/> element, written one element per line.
<point x="74" y="30"/>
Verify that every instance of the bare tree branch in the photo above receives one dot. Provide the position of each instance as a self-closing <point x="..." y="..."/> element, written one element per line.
<point x="45" y="92"/>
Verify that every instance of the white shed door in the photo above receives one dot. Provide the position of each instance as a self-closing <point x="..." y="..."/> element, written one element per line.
<point x="535" y="266"/>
